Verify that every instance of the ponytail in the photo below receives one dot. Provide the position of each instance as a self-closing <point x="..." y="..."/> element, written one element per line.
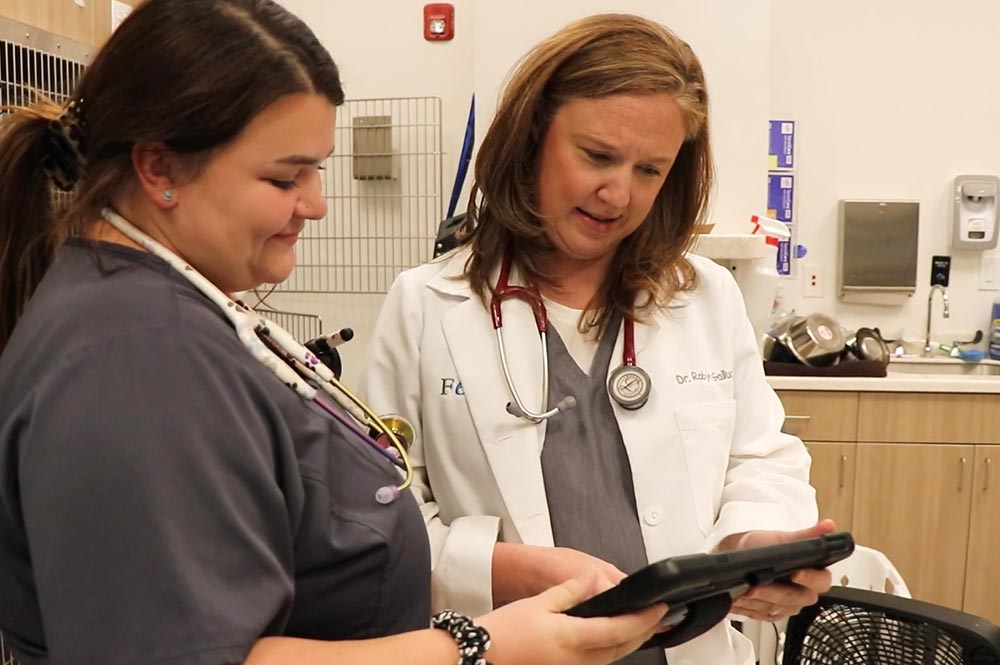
<point x="28" y="229"/>
<point x="197" y="93"/>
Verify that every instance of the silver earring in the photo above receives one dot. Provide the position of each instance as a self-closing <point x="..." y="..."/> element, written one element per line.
<point x="168" y="195"/>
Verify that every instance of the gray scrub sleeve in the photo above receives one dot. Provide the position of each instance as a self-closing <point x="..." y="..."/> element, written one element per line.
<point x="159" y="510"/>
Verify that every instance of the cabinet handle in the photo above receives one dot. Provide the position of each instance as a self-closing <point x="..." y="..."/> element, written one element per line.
<point x="961" y="473"/>
<point x="843" y="470"/>
<point x="784" y="425"/>
<point x="986" y="476"/>
<point x="803" y="419"/>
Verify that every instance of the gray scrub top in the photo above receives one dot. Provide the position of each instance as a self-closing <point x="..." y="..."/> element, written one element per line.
<point x="588" y="479"/>
<point x="164" y="498"/>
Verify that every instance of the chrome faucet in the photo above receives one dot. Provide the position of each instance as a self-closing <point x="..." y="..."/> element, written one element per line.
<point x="930" y="300"/>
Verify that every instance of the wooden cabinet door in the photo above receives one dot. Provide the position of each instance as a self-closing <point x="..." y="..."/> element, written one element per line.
<point x="60" y="17"/>
<point x="982" y="572"/>
<point x="913" y="502"/>
<point x="832" y="474"/>
<point x="928" y="418"/>
<point x="820" y="415"/>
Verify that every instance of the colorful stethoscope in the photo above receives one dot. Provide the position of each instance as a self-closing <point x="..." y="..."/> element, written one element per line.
<point x="629" y="385"/>
<point x="265" y="339"/>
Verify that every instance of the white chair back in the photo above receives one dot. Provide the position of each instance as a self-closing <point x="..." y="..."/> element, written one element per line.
<point x="866" y="568"/>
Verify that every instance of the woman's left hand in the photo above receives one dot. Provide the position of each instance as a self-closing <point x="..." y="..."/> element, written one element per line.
<point x="776" y="601"/>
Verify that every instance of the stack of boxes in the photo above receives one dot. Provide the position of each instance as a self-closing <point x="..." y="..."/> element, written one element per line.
<point x="781" y="186"/>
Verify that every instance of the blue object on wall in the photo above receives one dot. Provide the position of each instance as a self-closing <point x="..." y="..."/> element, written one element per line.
<point x="464" y="158"/>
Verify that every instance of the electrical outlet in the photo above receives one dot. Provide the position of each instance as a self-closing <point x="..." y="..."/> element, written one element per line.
<point x="812" y="281"/>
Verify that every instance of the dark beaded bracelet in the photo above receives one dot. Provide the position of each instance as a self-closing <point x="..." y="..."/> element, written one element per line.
<point x="472" y="640"/>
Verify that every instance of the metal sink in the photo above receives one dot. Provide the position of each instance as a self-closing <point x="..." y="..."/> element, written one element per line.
<point x="944" y="366"/>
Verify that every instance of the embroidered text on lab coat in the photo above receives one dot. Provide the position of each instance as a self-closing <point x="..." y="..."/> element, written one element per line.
<point x="706" y="376"/>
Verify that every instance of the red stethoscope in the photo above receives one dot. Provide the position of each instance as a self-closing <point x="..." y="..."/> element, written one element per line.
<point x="629" y="385"/>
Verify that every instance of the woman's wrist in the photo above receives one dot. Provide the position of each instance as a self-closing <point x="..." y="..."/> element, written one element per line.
<point x="472" y="640"/>
<point x="516" y="573"/>
<point x="730" y="542"/>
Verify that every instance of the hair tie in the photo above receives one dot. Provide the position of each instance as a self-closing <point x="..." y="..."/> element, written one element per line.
<point x="64" y="161"/>
<point x="472" y="640"/>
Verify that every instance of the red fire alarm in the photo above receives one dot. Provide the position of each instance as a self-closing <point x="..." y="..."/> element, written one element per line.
<point x="439" y="21"/>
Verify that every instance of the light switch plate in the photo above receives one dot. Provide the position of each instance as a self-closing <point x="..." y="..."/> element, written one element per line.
<point x="989" y="272"/>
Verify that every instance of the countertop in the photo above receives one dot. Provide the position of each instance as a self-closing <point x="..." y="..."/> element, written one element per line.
<point x="729" y="246"/>
<point x="908" y="374"/>
<point x="905" y="383"/>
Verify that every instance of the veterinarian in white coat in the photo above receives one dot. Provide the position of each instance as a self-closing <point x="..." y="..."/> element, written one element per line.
<point x="592" y="216"/>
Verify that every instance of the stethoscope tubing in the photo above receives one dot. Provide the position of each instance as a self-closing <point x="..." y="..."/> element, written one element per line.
<point x="628" y="343"/>
<point x="521" y="410"/>
<point x="390" y="453"/>
<point x="249" y="324"/>
<point x="504" y="291"/>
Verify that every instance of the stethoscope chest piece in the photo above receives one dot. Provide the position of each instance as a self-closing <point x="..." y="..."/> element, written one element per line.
<point x="629" y="386"/>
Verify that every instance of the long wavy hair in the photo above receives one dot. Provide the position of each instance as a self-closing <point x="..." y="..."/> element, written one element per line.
<point x="206" y="68"/>
<point x="598" y="56"/>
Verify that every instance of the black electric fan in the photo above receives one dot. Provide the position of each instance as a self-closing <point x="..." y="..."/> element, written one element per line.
<point x="859" y="627"/>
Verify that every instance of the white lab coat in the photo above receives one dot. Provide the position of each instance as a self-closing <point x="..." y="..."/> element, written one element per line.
<point x="707" y="454"/>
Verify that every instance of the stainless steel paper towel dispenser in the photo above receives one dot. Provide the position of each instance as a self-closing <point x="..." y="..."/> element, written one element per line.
<point x="878" y="251"/>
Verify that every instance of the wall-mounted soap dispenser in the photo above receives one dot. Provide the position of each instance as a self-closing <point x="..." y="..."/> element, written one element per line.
<point x="975" y="219"/>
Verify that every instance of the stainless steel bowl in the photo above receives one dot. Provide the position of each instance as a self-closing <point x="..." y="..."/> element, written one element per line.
<point x="867" y="344"/>
<point x="816" y="340"/>
<point x="773" y="347"/>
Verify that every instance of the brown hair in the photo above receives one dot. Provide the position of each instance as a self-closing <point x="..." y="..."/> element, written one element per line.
<point x="606" y="54"/>
<point x="190" y="73"/>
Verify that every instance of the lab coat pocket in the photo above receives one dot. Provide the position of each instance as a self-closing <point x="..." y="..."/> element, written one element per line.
<point x="706" y="434"/>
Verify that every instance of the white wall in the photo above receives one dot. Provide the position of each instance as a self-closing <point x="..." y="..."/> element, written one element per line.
<point x="731" y="40"/>
<point x="892" y="100"/>
<point x="381" y="52"/>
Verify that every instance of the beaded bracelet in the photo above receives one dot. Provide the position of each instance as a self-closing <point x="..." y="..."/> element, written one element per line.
<point x="472" y="640"/>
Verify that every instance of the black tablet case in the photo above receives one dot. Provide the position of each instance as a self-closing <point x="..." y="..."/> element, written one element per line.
<point x="699" y="588"/>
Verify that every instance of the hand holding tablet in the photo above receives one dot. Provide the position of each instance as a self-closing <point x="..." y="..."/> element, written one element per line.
<point x="699" y="588"/>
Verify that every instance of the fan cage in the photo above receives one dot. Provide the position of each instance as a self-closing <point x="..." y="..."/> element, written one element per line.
<point x="844" y="635"/>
